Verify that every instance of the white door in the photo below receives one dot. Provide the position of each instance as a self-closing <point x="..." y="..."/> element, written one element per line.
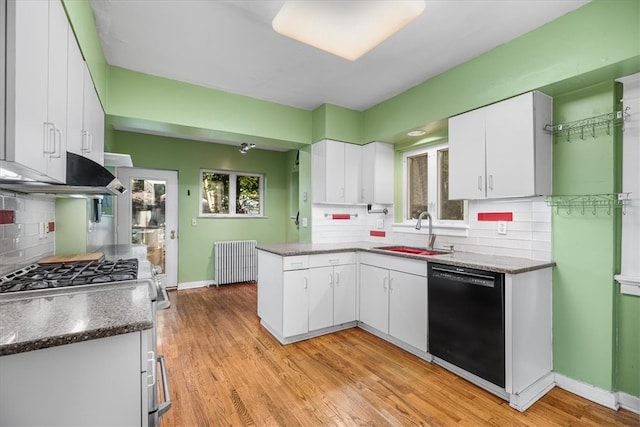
<point x="374" y="297"/>
<point x="148" y="214"/>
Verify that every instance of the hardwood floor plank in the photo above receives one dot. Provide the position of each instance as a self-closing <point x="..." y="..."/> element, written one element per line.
<point x="225" y="369"/>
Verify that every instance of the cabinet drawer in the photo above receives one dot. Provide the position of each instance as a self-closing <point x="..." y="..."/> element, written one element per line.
<point x="397" y="263"/>
<point x="336" y="258"/>
<point x="295" y="262"/>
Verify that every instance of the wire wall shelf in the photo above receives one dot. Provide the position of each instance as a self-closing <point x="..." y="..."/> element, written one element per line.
<point x="588" y="126"/>
<point x="589" y="203"/>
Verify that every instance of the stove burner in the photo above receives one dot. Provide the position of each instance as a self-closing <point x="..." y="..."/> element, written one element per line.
<point x="49" y="276"/>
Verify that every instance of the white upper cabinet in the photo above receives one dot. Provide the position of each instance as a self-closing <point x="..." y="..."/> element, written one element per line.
<point x="93" y="121"/>
<point x="36" y="89"/>
<point x="377" y="173"/>
<point x="501" y="150"/>
<point x="84" y="111"/>
<point x="336" y="172"/>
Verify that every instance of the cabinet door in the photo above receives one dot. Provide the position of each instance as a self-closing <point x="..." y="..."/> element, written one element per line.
<point x="377" y="173"/>
<point x="93" y="146"/>
<point x="510" y="154"/>
<point x="344" y="294"/>
<point x="334" y="171"/>
<point x="352" y="173"/>
<point x="466" y="156"/>
<point x="408" y="308"/>
<point x="57" y="91"/>
<point x="295" y="318"/>
<point x="27" y="77"/>
<point x="374" y="297"/>
<point x="75" y="102"/>
<point x="321" y="282"/>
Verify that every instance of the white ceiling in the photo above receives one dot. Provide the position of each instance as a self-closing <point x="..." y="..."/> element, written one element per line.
<point x="230" y="45"/>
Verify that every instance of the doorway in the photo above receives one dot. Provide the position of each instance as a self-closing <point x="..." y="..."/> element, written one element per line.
<point x="148" y="215"/>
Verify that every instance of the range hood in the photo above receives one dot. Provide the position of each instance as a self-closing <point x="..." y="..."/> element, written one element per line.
<point x="84" y="177"/>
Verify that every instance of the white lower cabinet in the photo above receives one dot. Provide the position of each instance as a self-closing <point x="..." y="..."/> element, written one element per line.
<point x="394" y="302"/>
<point x="97" y="383"/>
<point x="301" y="295"/>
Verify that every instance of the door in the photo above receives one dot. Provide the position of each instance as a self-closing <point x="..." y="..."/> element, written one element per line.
<point x="295" y="316"/>
<point x="148" y="214"/>
<point x="374" y="298"/>
<point x="344" y="294"/>
<point x="320" y="298"/>
<point x="408" y="308"/>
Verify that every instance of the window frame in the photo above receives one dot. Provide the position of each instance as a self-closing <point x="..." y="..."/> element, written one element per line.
<point x="233" y="194"/>
<point x="433" y="196"/>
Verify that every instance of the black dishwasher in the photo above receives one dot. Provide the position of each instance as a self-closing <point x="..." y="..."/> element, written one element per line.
<point x="466" y="320"/>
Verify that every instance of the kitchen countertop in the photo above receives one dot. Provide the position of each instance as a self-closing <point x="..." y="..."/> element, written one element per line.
<point x="63" y="317"/>
<point x="124" y="251"/>
<point x="495" y="263"/>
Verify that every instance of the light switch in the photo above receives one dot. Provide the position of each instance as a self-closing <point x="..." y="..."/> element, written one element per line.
<point x="380" y="224"/>
<point x="305" y="222"/>
<point x="194" y="222"/>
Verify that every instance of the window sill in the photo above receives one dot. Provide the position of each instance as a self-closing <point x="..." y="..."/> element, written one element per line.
<point x="628" y="285"/>
<point x="438" y="229"/>
<point x="233" y="216"/>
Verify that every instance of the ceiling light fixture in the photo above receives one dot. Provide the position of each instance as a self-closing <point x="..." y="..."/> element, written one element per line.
<point x="417" y="132"/>
<point x="244" y="147"/>
<point x="348" y="29"/>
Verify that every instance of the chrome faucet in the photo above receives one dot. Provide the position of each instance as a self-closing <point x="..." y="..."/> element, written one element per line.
<point x="432" y="237"/>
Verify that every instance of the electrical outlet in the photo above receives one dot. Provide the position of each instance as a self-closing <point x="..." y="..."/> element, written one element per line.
<point x="380" y="224"/>
<point x="502" y="227"/>
<point x="305" y="223"/>
<point x="194" y="222"/>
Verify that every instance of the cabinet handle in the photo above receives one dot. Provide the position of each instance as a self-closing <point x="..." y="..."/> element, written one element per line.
<point x="59" y="140"/>
<point x="306" y="283"/>
<point x="334" y="261"/>
<point x="491" y="182"/>
<point x="337" y="279"/>
<point x="330" y="279"/>
<point x="480" y="182"/>
<point x="152" y="361"/>
<point x="296" y="264"/>
<point x="49" y="135"/>
<point x="390" y="283"/>
<point x="384" y="283"/>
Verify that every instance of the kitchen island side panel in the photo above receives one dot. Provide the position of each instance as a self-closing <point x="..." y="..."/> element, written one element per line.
<point x="270" y="290"/>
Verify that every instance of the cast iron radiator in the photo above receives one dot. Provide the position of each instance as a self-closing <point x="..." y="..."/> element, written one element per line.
<point x="235" y="261"/>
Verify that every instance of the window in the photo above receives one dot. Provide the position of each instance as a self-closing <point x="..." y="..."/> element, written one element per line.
<point x="427" y="186"/>
<point x="230" y="193"/>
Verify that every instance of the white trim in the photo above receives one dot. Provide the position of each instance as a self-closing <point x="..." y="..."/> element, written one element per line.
<point x="629" y="402"/>
<point x="530" y="395"/>
<point x="628" y="285"/>
<point x="588" y="391"/>
<point x="191" y="285"/>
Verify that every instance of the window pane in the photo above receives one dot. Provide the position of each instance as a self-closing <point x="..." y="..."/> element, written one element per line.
<point x="248" y="199"/>
<point x="449" y="209"/>
<point x="215" y="193"/>
<point x="417" y="191"/>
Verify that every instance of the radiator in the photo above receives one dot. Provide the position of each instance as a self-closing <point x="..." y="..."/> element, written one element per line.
<point x="235" y="261"/>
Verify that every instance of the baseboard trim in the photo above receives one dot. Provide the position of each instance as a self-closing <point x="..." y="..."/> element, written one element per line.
<point x="530" y="395"/>
<point x="588" y="391"/>
<point x="629" y="402"/>
<point x="191" y="285"/>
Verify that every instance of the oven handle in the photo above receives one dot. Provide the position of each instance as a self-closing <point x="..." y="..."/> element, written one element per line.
<point x="164" y="407"/>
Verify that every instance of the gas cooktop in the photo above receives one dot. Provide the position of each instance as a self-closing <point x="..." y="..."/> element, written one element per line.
<point x="37" y="277"/>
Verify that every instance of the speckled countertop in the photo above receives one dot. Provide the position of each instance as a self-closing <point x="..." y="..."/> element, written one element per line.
<point x="499" y="264"/>
<point x="56" y="318"/>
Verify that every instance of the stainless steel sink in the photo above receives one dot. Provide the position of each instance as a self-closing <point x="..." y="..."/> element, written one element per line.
<point x="413" y="251"/>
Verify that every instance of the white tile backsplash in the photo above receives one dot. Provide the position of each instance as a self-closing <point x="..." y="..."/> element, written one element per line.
<point x="528" y="235"/>
<point x="21" y="243"/>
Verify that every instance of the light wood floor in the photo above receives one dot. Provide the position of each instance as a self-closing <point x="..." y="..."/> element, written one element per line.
<point x="225" y="369"/>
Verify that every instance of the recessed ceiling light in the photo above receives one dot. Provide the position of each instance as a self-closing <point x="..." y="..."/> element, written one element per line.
<point x="417" y="132"/>
<point x="347" y="28"/>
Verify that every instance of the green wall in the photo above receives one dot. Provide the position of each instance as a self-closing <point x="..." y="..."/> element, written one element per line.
<point x="602" y="35"/>
<point x="71" y="226"/>
<point x="195" y="247"/>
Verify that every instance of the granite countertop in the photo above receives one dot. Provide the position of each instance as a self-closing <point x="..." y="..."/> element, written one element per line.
<point x="56" y="318"/>
<point x="496" y="263"/>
